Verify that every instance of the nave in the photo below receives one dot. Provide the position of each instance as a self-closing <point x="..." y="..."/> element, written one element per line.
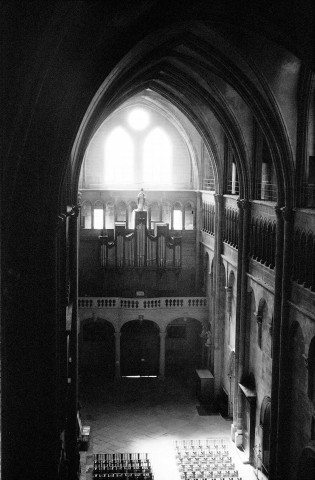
<point x="150" y="416"/>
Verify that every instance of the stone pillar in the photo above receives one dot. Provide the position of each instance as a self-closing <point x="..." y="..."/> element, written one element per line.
<point x="218" y="318"/>
<point x="234" y="426"/>
<point x="162" y="354"/>
<point x="276" y="347"/>
<point x="246" y="205"/>
<point x="29" y="320"/>
<point x="284" y="354"/>
<point x="72" y="434"/>
<point x="117" y="355"/>
<point x="198" y="224"/>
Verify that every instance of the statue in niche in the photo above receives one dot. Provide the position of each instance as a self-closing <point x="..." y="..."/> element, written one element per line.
<point x="141" y="200"/>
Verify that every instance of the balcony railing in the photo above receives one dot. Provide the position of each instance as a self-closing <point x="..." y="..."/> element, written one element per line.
<point x="142" y="303"/>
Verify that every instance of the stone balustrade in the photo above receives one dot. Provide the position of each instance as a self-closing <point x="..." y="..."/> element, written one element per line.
<point x="142" y="303"/>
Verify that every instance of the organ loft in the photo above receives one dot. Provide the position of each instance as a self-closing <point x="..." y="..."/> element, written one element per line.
<point x="157" y="240"/>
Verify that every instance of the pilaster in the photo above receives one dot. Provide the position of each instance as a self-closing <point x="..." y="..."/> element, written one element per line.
<point x="162" y="354"/>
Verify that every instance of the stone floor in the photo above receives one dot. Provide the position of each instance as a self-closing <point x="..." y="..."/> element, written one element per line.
<point x="146" y="416"/>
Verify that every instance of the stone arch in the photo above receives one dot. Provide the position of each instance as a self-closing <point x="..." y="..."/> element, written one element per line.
<point x="260" y="317"/>
<point x="265" y="423"/>
<point x="298" y="402"/>
<point x="86" y="215"/>
<point x="311" y="371"/>
<point x="183" y="351"/>
<point x="139" y="348"/>
<point x="189" y="216"/>
<point x="306" y="465"/>
<point x="230" y="308"/>
<point x="163" y="76"/>
<point x="231" y="376"/>
<point x="97" y="347"/>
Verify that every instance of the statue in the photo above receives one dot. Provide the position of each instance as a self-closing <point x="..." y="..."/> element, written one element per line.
<point x="141" y="200"/>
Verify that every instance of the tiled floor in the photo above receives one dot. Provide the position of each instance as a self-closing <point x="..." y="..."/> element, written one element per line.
<point x="147" y="415"/>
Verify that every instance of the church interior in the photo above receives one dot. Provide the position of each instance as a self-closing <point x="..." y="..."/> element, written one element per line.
<point x="157" y="237"/>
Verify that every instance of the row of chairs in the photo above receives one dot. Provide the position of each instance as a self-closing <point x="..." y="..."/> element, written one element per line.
<point x="202" y="453"/>
<point x="204" y="459"/>
<point x="207" y="467"/>
<point x="208" y="442"/>
<point x="123" y="476"/>
<point x="109" y="457"/>
<point x="194" y="477"/>
<point x="212" y="473"/>
<point x="123" y="470"/>
<point x="220" y="463"/>
<point x="124" y="466"/>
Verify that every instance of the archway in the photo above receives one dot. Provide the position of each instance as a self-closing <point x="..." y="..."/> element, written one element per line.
<point x="183" y="347"/>
<point x="139" y="347"/>
<point x="265" y="419"/>
<point x="297" y="402"/>
<point x="97" y="348"/>
<point x="306" y="469"/>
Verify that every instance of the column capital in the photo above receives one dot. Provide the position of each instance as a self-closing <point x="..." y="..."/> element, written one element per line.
<point x="162" y="333"/>
<point x="117" y="334"/>
<point x="218" y="197"/>
<point x="287" y="213"/>
<point x="244" y="204"/>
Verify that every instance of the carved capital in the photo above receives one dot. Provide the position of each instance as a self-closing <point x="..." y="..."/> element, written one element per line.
<point x="287" y="213"/>
<point x="76" y="210"/>
<point x="244" y="204"/>
<point x="218" y="197"/>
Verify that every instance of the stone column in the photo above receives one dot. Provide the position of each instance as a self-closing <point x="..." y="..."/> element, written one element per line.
<point x="117" y="355"/>
<point x="162" y="353"/>
<point x="246" y="205"/>
<point x="284" y="357"/>
<point x="72" y="431"/>
<point x="276" y="346"/>
<point x="234" y="426"/>
<point x="218" y="319"/>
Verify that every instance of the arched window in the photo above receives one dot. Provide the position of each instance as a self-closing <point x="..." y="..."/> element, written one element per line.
<point x="189" y="217"/>
<point x="109" y="216"/>
<point x="166" y="214"/>
<point x="119" y="157"/>
<point x="131" y="215"/>
<point x="86" y="215"/>
<point x="121" y="212"/>
<point x="155" y="213"/>
<point x="177" y="217"/>
<point x="157" y="157"/>
<point x="98" y="216"/>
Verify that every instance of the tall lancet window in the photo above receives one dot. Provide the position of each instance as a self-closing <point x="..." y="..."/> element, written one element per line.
<point x="119" y="157"/>
<point x="157" y="158"/>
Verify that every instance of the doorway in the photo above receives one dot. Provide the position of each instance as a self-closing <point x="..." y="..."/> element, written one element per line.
<point x="140" y="346"/>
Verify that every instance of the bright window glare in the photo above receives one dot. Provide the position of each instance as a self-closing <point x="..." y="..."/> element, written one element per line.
<point x="157" y="157"/>
<point x="119" y="156"/>
<point x="178" y="220"/>
<point x="138" y="119"/>
<point x="98" y="218"/>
